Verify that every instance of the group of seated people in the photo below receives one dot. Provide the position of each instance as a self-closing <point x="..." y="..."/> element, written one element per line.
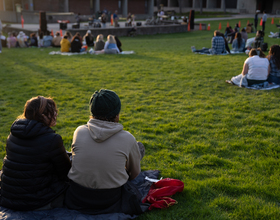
<point x="67" y="43"/>
<point x="39" y="174"/>
<point x="22" y="40"/>
<point x="259" y="68"/>
<point x="240" y="43"/>
<point x="79" y="44"/>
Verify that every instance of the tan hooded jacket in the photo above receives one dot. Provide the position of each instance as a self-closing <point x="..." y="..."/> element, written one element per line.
<point x="103" y="154"/>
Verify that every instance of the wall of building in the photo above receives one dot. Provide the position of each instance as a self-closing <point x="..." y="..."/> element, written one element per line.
<point x="214" y="4"/>
<point x="110" y="5"/>
<point x="248" y="6"/>
<point x="47" y="5"/>
<point x="8" y="16"/>
<point x="81" y="6"/>
<point x="136" y="7"/>
<point x="276" y="7"/>
<point x="1" y="5"/>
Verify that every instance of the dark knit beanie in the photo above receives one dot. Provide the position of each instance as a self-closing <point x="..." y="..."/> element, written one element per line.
<point x="105" y="103"/>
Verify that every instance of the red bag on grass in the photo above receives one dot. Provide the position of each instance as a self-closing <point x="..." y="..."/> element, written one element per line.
<point x="160" y="192"/>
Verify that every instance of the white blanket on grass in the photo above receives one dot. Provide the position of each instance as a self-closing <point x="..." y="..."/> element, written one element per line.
<point x="241" y="81"/>
<point x="274" y="35"/>
<point x="81" y="53"/>
<point x="66" y="53"/>
<point x="236" y="52"/>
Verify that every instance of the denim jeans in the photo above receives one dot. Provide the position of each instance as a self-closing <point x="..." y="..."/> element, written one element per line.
<point x="273" y="79"/>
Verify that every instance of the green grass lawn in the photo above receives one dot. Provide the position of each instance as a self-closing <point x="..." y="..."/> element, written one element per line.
<point x="222" y="141"/>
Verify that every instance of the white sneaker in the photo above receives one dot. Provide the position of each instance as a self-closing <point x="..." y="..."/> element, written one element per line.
<point x="193" y="48"/>
<point x="0" y="51"/>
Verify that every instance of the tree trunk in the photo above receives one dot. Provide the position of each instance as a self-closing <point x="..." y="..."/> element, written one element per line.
<point x="201" y="6"/>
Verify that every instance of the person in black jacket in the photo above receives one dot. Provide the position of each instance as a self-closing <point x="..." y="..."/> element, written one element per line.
<point x="76" y="44"/>
<point x="36" y="164"/>
<point x="89" y="39"/>
<point x="118" y="42"/>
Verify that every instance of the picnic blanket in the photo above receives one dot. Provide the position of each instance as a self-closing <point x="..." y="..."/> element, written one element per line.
<point x="65" y="53"/>
<point x="210" y="54"/>
<point x="141" y="181"/>
<point x="262" y="86"/>
<point x="235" y="52"/>
<point x="81" y="53"/>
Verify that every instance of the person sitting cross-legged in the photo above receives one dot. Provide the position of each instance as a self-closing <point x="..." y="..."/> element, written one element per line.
<point x="99" y="44"/>
<point x="238" y="44"/>
<point x="255" y="69"/>
<point x="35" y="169"/>
<point x="218" y="45"/>
<point x="104" y="158"/>
<point x="65" y="44"/>
<point x="274" y="61"/>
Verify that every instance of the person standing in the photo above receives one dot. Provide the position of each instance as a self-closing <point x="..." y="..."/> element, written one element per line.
<point x="0" y="36"/>
<point x="256" y="20"/>
<point x="264" y="18"/>
<point x="116" y="19"/>
<point x="104" y="20"/>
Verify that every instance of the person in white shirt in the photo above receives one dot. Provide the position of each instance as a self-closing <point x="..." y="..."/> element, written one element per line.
<point x="255" y="69"/>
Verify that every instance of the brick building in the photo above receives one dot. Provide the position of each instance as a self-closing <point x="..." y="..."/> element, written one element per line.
<point x="85" y="7"/>
<point x="145" y="8"/>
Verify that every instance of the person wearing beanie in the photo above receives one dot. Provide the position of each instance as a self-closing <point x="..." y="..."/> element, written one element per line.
<point x="104" y="158"/>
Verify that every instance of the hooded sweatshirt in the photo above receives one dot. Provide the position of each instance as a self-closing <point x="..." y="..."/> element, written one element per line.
<point x="104" y="156"/>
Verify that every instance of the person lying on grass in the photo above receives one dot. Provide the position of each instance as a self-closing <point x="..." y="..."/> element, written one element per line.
<point x="218" y="45"/>
<point x="104" y="158"/>
<point x="36" y="165"/>
<point x="255" y="69"/>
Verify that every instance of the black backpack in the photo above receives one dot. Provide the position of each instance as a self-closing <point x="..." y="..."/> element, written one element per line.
<point x="264" y="47"/>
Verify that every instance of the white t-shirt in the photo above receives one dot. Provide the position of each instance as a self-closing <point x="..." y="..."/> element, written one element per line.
<point x="258" y="68"/>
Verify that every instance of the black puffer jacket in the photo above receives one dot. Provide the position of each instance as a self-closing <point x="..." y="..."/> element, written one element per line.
<point x="35" y="167"/>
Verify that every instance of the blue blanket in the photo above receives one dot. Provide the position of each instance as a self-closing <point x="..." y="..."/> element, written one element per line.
<point x="66" y="214"/>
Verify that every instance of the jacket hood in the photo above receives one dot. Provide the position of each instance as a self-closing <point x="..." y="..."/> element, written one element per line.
<point x="101" y="130"/>
<point x="25" y="128"/>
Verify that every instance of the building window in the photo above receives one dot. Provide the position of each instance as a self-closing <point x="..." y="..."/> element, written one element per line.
<point x="231" y="4"/>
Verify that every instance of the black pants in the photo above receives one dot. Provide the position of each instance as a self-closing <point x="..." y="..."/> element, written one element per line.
<point x="263" y="26"/>
<point x="252" y="81"/>
<point x="256" y="25"/>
